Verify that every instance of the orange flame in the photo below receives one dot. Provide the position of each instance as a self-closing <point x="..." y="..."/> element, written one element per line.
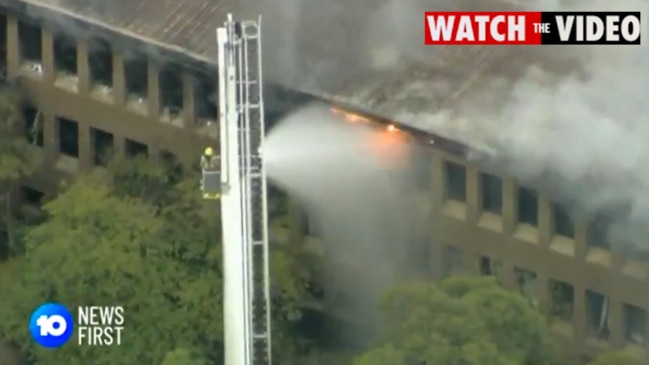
<point x="352" y="117"/>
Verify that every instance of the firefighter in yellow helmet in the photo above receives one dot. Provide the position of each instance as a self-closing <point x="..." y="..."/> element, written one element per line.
<point x="208" y="160"/>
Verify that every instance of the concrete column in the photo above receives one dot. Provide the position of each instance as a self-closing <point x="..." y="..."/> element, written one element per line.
<point x="154" y="153"/>
<point x="119" y="143"/>
<point x="119" y="79"/>
<point x="47" y="50"/>
<point x="616" y="321"/>
<point x="542" y="292"/>
<point x="546" y="222"/>
<point x="86" y="155"/>
<point x="473" y="196"/>
<point x="437" y="178"/>
<point x="510" y="203"/>
<point x="580" y="313"/>
<point x="13" y="47"/>
<point x="581" y="239"/>
<point x="153" y="93"/>
<point x="83" y="67"/>
<point x="507" y="276"/>
<point x="50" y="137"/>
<point x="189" y="105"/>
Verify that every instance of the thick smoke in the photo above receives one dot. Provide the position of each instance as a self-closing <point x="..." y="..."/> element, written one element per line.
<point x="571" y="120"/>
<point x="580" y="135"/>
<point x="353" y="183"/>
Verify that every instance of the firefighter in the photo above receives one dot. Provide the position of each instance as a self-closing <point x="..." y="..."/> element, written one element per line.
<point x="208" y="160"/>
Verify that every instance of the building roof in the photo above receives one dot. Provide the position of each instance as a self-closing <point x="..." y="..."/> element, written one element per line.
<point x="366" y="54"/>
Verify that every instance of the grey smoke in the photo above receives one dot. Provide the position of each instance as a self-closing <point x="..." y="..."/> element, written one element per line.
<point x="571" y="120"/>
<point x="353" y="182"/>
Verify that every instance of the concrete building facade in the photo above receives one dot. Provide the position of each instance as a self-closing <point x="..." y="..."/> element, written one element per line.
<point x="90" y="94"/>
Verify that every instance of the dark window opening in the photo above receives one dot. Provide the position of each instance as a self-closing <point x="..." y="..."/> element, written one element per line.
<point x="171" y="90"/>
<point x="562" y="300"/>
<point x="486" y="267"/>
<point x="492" y="193"/>
<point x="68" y="137"/>
<point x="563" y="222"/>
<point x="33" y="121"/>
<point x="528" y="206"/>
<point x="134" y="148"/>
<point x="3" y="43"/>
<point x="172" y="165"/>
<point x="136" y="72"/>
<point x="635" y="324"/>
<point x="65" y="54"/>
<point x="30" y="38"/>
<point x="598" y="230"/>
<point x="455" y="181"/>
<point x="205" y="97"/>
<point x="31" y="196"/>
<point x="100" y="62"/>
<point x="597" y="310"/>
<point x="103" y="146"/>
<point x="5" y="251"/>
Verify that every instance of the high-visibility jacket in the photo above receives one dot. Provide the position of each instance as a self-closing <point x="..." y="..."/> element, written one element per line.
<point x="209" y="162"/>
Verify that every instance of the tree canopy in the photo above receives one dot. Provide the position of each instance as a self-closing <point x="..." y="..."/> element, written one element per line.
<point x="460" y="321"/>
<point x="620" y="357"/>
<point x="139" y="237"/>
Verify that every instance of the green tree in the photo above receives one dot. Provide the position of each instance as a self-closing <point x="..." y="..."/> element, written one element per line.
<point x="16" y="157"/>
<point x="99" y="248"/>
<point x="460" y="321"/>
<point x="184" y="356"/>
<point x="622" y="357"/>
<point x="140" y="236"/>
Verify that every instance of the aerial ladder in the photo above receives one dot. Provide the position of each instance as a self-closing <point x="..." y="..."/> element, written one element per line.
<point x="240" y="184"/>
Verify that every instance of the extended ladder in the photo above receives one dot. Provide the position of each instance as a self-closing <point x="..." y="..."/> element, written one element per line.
<point x="242" y="49"/>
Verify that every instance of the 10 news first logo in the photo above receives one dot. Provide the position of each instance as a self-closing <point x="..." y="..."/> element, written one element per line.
<point x="52" y="325"/>
<point x="532" y="28"/>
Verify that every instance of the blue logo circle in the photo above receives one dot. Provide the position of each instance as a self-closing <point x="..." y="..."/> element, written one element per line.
<point x="51" y="325"/>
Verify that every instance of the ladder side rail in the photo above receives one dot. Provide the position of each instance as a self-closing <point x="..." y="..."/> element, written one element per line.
<point x="261" y="298"/>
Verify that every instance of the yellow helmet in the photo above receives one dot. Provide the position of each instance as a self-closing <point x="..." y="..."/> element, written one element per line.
<point x="209" y="151"/>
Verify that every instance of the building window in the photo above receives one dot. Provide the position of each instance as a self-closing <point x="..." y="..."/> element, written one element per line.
<point x="563" y="223"/>
<point x="3" y="43"/>
<point x="597" y="310"/>
<point x="492" y="193"/>
<point x="33" y="122"/>
<point x="30" y="38"/>
<point x="100" y="63"/>
<point x="135" y="148"/>
<point x="171" y="91"/>
<point x="598" y="229"/>
<point x="453" y="260"/>
<point x="488" y="266"/>
<point x="205" y="97"/>
<point x="635" y="324"/>
<point x="136" y="74"/>
<point x="562" y="300"/>
<point x="173" y="167"/>
<point x="31" y="196"/>
<point x="68" y="137"/>
<point x="528" y="206"/>
<point x="103" y="144"/>
<point x="454" y="181"/>
<point x="65" y="54"/>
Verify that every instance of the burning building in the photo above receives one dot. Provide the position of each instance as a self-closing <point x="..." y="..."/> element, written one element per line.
<point x="138" y="76"/>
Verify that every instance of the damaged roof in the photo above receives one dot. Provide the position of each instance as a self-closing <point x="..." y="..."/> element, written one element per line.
<point x="335" y="50"/>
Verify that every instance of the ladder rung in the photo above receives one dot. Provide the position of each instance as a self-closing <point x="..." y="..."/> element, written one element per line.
<point x="257" y="243"/>
<point x="260" y="336"/>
